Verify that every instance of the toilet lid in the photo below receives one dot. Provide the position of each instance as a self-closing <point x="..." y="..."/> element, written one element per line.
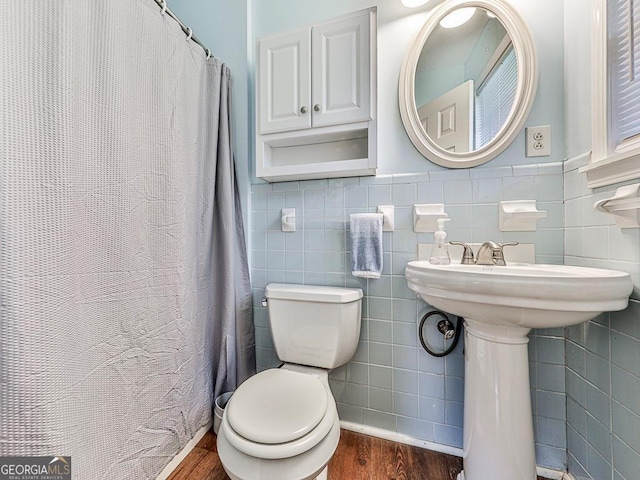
<point x="277" y="406"/>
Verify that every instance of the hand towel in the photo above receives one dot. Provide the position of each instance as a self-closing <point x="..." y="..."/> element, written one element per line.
<point x="366" y="244"/>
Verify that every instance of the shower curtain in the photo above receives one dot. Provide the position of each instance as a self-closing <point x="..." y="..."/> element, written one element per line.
<point x="125" y="303"/>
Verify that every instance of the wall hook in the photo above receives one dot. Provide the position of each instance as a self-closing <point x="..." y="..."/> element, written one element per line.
<point x="288" y="219"/>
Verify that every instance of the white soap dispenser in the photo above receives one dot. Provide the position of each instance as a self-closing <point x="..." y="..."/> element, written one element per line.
<point x="440" y="250"/>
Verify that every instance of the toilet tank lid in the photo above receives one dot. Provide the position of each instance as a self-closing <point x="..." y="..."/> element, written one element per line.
<point x="312" y="293"/>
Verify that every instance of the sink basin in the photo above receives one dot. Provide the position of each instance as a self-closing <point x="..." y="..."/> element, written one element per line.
<point x="500" y="305"/>
<point x="523" y="295"/>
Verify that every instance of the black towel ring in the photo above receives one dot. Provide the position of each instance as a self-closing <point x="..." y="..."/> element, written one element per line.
<point x="444" y="326"/>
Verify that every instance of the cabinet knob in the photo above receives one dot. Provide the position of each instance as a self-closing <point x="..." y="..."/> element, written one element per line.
<point x="316" y="107"/>
<point x="303" y="110"/>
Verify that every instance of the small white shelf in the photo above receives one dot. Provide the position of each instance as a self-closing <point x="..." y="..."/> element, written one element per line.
<point x="624" y="206"/>
<point x="519" y="216"/>
<point x="426" y="215"/>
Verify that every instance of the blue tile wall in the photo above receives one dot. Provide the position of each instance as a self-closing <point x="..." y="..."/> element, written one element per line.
<point x="391" y="382"/>
<point x="602" y="356"/>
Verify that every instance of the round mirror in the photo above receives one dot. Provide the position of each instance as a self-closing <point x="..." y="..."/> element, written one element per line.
<point x="468" y="82"/>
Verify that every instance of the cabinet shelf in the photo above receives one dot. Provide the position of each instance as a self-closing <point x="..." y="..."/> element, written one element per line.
<point x="327" y="152"/>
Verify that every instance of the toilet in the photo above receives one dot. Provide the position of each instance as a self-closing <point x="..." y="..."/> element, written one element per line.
<point x="282" y="423"/>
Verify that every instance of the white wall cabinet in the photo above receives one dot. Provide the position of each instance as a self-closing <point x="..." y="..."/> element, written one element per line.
<point x="316" y="100"/>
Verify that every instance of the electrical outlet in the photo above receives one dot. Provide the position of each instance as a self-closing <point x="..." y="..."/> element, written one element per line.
<point x="538" y="141"/>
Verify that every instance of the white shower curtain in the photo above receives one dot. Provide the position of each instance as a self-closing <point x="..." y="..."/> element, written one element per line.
<point x="123" y="307"/>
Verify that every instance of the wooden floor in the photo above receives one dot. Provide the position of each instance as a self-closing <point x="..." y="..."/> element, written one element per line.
<point x="359" y="457"/>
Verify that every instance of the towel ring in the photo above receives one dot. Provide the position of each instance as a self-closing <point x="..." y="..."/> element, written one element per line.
<point x="208" y="54"/>
<point x="164" y="7"/>
<point x="189" y="33"/>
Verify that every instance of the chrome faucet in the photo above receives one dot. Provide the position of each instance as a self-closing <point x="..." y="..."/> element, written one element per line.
<point x="489" y="253"/>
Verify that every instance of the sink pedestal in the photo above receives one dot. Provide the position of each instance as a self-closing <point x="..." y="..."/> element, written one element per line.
<point x="498" y="422"/>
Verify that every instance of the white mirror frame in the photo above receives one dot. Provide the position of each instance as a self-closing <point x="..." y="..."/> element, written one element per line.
<point x="525" y="90"/>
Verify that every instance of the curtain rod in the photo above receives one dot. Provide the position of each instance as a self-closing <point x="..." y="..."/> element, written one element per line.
<point x="165" y="9"/>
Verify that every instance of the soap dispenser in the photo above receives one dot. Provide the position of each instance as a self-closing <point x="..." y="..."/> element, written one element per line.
<point x="440" y="251"/>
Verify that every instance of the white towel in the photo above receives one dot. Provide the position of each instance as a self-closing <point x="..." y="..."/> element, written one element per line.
<point x="366" y="244"/>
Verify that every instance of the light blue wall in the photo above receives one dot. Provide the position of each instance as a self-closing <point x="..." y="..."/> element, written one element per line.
<point x="603" y="356"/>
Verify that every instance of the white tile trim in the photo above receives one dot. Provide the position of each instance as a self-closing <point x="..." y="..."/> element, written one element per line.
<point x="577" y="162"/>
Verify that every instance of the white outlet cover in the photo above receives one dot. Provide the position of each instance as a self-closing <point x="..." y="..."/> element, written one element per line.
<point x="536" y="146"/>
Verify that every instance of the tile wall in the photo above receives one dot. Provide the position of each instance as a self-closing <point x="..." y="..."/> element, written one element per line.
<point x="602" y="356"/>
<point x="392" y="383"/>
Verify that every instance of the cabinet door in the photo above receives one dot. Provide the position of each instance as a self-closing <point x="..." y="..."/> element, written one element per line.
<point x="285" y="82"/>
<point x="341" y="71"/>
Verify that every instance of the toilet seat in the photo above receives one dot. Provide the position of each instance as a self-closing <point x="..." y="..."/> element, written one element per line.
<point x="277" y="406"/>
<point x="278" y="414"/>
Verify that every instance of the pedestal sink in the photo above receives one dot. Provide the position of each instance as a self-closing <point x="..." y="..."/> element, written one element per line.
<point x="500" y="305"/>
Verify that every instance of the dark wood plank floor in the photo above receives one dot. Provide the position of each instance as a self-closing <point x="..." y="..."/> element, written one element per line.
<point x="359" y="457"/>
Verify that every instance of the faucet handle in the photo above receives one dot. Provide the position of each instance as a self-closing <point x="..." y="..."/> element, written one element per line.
<point x="498" y="254"/>
<point x="508" y="244"/>
<point x="467" y="254"/>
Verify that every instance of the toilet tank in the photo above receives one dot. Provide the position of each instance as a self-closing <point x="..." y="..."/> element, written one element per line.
<point x="314" y="325"/>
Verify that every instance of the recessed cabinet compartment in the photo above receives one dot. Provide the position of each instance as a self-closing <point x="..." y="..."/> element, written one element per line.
<point x="316" y="101"/>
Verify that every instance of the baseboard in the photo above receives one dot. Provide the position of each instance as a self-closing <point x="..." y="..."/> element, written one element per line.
<point x="173" y="464"/>
<point x="552" y="474"/>
<point x="400" y="438"/>
<point x="436" y="447"/>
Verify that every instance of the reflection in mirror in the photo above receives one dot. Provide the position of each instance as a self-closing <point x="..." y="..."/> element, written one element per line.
<point x="466" y="76"/>
<point x="467" y="86"/>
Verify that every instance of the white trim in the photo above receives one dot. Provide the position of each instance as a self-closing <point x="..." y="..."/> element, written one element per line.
<point x="181" y="455"/>
<point x="599" y="82"/>
<point x="436" y="447"/>
<point x="525" y="90"/>
<point x="400" y="438"/>
<point x="629" y="145"/>
<point x="611" y="170"/>
<point x="552" y="474"/>
<point x="576" y="162"/>
<point x="604" y="168"/>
